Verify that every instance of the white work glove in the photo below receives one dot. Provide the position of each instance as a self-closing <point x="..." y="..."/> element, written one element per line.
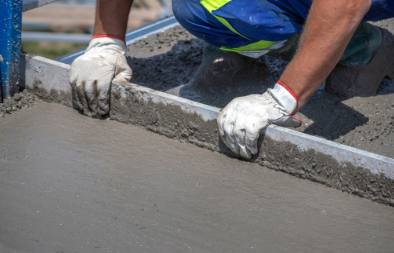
<point x="92" y="73"/>
<point x="242" y="120"/>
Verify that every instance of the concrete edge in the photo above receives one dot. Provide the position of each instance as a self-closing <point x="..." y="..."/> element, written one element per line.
<point x="342" y="153"/>
<point x="205" y="111"/>
<point x="292" y="152"/>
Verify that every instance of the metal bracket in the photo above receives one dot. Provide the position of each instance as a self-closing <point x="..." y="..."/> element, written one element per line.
<point x="10" y="45"/>
<point x="1" y="94"/>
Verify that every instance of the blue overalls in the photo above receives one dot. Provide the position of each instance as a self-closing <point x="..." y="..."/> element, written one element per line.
<point x="240" y="25"/>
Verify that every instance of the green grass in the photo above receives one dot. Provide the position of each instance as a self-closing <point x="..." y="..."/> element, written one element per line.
<point x="50" y="50"/>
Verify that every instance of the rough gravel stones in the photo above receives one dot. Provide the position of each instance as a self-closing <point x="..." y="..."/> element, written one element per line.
<point x="17" y="102"/>
<point x="17" y="97"/>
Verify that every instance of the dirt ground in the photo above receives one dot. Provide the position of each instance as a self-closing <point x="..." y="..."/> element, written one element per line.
<point x="168" y="60"/>
<point x="69" y="183"/>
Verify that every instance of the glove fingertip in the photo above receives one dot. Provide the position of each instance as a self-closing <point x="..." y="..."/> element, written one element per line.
<point x="233" y="147"/>
<point x="288" y="121"/>
<point x="298" y="119"/>
<point x="253" y="150"/>
<point x="244" y="152"/>
<point x="122" y="78"/>
<point x="103" y="108"/>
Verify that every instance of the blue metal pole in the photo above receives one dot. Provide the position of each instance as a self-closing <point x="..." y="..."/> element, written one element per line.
<point x="10" y="45"/>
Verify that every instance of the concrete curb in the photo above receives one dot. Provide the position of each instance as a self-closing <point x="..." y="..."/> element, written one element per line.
<point x="339" y="166"/>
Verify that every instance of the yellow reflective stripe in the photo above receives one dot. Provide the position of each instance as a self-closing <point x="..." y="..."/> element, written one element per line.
<point x="259" y="45"/>
<point x="213" y="5"/>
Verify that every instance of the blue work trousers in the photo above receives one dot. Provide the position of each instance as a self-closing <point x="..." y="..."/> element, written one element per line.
<point x="256" y="20"/>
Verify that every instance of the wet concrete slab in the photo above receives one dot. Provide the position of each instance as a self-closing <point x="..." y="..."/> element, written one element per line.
<point x="69" y="183"/>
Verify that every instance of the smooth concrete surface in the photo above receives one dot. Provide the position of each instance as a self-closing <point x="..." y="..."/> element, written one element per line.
<point x="69" y="183"/>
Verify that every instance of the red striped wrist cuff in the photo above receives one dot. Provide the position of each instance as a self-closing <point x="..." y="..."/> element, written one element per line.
<point x="109" y="36"/>
<point x="290" y="91"/>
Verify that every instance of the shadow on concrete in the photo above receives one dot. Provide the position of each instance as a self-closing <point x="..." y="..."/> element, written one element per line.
<point x="168" y="70"/>
<point x="331" y="118"/>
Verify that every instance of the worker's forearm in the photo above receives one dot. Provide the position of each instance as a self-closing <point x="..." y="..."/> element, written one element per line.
<point x="328" y="30"/>
<point x="111" y="17"/>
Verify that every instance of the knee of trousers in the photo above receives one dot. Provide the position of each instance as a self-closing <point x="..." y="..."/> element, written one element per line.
<point x="185" y="13"/>
<point x="194" y="18"/>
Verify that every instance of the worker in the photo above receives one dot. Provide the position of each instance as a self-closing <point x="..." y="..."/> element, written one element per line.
<point x="329" y="39"/>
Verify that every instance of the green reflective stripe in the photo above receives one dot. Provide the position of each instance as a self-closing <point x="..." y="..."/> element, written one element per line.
<point x="259" y="45"/>
<point x="213" y="5"/>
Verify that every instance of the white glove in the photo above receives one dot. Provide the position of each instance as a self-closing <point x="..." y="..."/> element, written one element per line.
<point x="92" y="73"/>
<point x="242" y="120"/>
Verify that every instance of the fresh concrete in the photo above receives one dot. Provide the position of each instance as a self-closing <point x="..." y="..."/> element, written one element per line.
<point x="348" y="169"/>
<point x="69" y="183"/>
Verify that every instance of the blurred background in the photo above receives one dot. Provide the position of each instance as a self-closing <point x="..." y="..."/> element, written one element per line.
<point x="65" y="26"/>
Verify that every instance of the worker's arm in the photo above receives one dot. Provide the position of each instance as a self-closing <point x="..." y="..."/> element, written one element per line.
<point x="329" y="27"/>
<point x="328" y="30"/>
<point x="112" y="17"/>
<point x="104" y="60"/>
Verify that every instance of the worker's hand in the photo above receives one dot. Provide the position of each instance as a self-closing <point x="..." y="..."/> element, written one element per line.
<point x="242" y="120"/>
<point x="92" y="73"/>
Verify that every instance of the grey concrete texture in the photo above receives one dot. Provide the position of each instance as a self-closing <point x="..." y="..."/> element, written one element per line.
<point x="69" y="183"/>
<point x="350" y="170"/>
